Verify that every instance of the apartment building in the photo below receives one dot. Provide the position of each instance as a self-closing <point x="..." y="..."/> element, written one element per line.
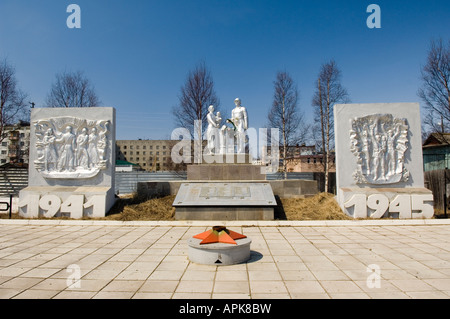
<point x="15" y="142"/>
<point x="150" y="155"/>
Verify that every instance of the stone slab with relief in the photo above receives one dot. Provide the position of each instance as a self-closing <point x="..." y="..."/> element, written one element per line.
<point x="379" y="166"/>
<point x="72" y="163"/>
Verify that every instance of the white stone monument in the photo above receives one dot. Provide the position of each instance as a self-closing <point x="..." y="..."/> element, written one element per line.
<point x="227" y="139"/>
<point x="72" y="163"/>
<point x="240" y="120"/>
<point x="379" y="165"/>
<point x="226" y="185"/>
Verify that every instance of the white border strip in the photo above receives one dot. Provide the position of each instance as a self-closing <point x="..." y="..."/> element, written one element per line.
<point x="246" y="223"/>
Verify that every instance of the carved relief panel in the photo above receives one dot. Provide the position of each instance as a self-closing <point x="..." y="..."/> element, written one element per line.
<point x="71" y="147"/>
<point x="379" y="142"/>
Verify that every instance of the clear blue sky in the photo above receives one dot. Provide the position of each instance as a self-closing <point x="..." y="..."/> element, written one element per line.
<point x="138" y="53"/>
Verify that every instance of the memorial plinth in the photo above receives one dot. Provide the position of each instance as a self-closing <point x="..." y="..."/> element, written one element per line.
<point x="219" y="200"/>
<point x="226" y="172"/>
<point x="224" y="185"/>
<point x="225" y="192"/>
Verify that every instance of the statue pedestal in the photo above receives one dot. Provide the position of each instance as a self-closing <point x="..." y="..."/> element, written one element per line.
<point x="225" y="191"/>
<point x="225" y="172"/>
<point x="223" y="200"/>
<point x="227" y="158"/>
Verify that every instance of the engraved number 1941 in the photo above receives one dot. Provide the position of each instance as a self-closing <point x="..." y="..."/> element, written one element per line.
<point x="49" y="205"/>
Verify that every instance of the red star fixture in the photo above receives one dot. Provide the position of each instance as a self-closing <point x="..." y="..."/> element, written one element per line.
<point x="219" y="234"/>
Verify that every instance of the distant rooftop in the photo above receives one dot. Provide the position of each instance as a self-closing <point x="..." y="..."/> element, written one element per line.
<point x="437" y="139"/>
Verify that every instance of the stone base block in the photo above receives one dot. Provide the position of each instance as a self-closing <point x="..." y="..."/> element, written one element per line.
<point x="294" y="188"/>
<point x="219" y="254"/>
<point x="403" y="203"/>
<point x="224" y="213"/>
<point x="158" y="188"/>
<point x="230" y="158"/>
<point x="224" y="201"/>
<point x="225" y="172"/>
<point x="65" y="201"/>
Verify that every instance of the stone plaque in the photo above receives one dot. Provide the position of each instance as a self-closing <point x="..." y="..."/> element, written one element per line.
<point x="224" y="194"/>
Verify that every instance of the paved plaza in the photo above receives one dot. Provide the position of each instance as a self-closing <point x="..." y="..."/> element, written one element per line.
<point x="351" y="259"/>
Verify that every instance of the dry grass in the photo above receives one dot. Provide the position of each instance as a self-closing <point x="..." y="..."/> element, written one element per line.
<point x="152" y="209"/>
<point x="322" y="206"/>
<point x="319" y="207"/>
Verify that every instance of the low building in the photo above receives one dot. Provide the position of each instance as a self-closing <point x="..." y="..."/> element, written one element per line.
<point x="15" y="142"/>
<point x="304" y="158"/>
<point x="124" y="166"/>
<point x="314" y="163"/>
<point x="436" y="152"/>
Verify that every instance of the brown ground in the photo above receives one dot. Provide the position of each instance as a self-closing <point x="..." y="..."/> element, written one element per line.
<point x="153" y="209"/>
<point x="322" y="206"/>
<point x="319" y="207"/>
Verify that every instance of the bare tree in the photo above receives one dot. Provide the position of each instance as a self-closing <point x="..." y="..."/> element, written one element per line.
<point x="285" y="114"/>
<point x="435" y="90"/>
<point x="12" y="100"/>
<point x="329" y="91"/>
<point x="72" y="89"/>
<point x="195" y="97"/>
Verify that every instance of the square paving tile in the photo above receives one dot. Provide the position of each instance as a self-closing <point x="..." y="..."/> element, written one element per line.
<point x="166" y="275"/>
<point x="114" y="295"/>
<point x="351" y="295"/>
<point x="412" y="285"/>
<point x="69" y="294"/>
<point x="236" y="287"/>
<point x="441" y="284"/>
<point x="304" y="287"/>
<point x="190" y="295"/>
<point x="329" y="275"/>
<point x="195" y="286"/>
<point x="198" y="275"/>
<point x="267" y="287"/>
<point x="52" y="284"/>
<point x="263" y="275"/>
<point x="230" y="296"/>
<point x="159" y="286"/>
<point x="123" y="285"/>
<point x="20" y="283"/>
<point x="231" y="275"/>
<point x="37" y="294"/>
<point x="41" y="272"/>
<point x="340" y="286"/>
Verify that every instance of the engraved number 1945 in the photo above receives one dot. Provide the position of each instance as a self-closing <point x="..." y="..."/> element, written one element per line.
<point x="376" y="205"/>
